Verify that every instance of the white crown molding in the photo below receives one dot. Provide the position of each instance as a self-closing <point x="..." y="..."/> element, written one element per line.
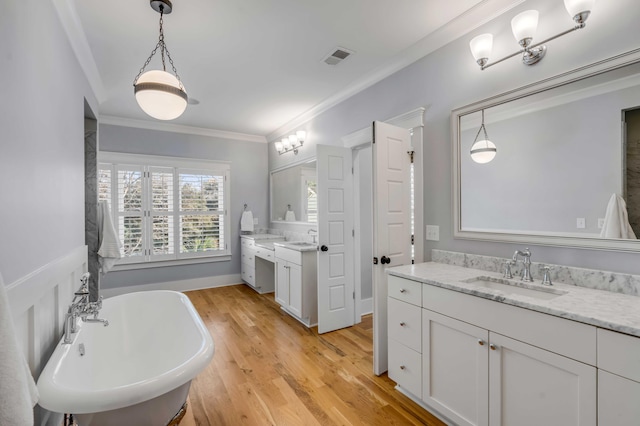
<point x="179" y="128"/>
<point x="408" y="120"/>
<point x="78" y="40"/>
<point x="475" y="17"/>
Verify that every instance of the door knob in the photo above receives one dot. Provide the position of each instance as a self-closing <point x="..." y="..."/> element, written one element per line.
<point x="385" y="260"/>
<point x="324" y="248"/>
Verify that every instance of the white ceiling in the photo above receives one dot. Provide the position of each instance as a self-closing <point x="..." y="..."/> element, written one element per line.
<point x="257" y="65"/>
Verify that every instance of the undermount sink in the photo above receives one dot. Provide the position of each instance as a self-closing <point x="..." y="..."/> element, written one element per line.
<point x="521" y="288"/>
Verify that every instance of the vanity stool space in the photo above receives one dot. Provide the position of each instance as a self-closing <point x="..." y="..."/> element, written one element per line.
<point x="296" y="280"/>
<point x="477" y="359"/>
<point x="257" y="261"/>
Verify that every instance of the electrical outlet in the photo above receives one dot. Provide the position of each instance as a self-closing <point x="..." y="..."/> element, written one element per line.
<point x="581" y="223"/>
<point x="600" y="222"/>
<point x="433" y="233"/>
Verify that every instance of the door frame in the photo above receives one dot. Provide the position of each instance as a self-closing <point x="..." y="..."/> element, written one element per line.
<point x="414" y="120"/>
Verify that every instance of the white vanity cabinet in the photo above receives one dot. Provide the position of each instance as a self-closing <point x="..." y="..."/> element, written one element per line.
<point x="256" y="266"/>
<point x="488" y="363"/>
<point x="296" y="283"/>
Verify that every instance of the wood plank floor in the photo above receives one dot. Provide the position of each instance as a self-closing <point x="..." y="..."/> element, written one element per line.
<point x="268" y="369"/>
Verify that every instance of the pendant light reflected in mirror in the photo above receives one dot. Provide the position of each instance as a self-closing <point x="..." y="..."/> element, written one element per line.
<point x="483" y="151"/>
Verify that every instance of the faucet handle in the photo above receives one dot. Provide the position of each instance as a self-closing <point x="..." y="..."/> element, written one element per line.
<point x="507" y="269"/>
<point x="546" y="278"/>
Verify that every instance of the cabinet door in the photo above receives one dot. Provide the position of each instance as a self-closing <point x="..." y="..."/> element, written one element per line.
<point x="295" y="289"/>
<point x="617" y="400"/>
<point x="529" y="386"/>
<point x="282" y="283"/>
<point x="454" y="370"/>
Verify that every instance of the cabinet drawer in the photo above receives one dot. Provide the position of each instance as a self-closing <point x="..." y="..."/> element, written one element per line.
<point x="405" y="324"/>
<point x="289" y="255"/>
<point x="248" y="256"/>
<point x="405" y="367"/>
<point x="265" y="254"/>
<point x="248" y="275"/>
<point x="617" y="400"/>
<point x="406" y="290"/>
<point x="246" y="242"/>
<point x="619" y="354"/>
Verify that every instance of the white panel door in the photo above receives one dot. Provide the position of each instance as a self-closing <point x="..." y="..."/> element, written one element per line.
<point x="336" y="300"/>
<point x="529" y="386"/>
<point x="391" y="222"/>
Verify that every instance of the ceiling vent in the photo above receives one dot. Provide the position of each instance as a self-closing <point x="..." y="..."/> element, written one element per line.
<point x="337" y="56"/>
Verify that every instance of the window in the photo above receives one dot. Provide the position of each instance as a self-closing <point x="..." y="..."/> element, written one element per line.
<point x="166" y="208"/>
<point x="309" y="195"/>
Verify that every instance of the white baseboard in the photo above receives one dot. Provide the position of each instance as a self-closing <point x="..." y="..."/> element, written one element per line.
<point x="366" y="306"/>
<point x="180" y="285"/>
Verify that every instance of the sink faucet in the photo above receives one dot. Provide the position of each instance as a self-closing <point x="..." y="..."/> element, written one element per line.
<point x="526" y="263"/>
<point x="81" y="308"/>
<point x="314" y="234"/>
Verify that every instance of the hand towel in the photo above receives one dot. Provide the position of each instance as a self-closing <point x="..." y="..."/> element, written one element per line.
<point x="290" y="216"/>
<point x="18" y="391"/>
<point x="246" y="222"/>
<point x="109" y="251"/>
<point x="616" y="220"/>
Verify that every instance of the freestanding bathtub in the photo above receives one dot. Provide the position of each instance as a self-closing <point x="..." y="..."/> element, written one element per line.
<point x="137" y="370"/>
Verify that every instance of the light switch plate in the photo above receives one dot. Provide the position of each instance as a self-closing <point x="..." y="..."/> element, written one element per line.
<point x="433" y="233"/>
<point x="581" y="223"/>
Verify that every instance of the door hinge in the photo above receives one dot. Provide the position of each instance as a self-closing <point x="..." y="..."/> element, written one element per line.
<point x="354" y="295"/>
<point x="411" y="155"/>
<point x="353" y="233"/>
<point x="375" y="260"/>
<point x="352" y="170"/>
<point x="412" y="239"/>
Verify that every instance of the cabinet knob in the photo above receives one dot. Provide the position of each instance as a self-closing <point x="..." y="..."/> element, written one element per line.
<point x="493" y="347"/>
<point x="402" y="324"/>
<point x="481" y="342"/>
<point x="402" y="367"/>
<point x="402" y="290"/>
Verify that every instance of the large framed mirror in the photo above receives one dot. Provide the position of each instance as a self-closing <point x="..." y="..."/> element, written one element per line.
<point x="294" y="197"/>
<point x="567" y="161"/>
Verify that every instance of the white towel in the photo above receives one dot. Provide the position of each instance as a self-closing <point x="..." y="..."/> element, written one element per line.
<point x="109" y="251"/>
<point x="18" y="391"/>
<point x="290" y="216"/>
<point x="246" y="222"/>
<point x="616" y="220"/>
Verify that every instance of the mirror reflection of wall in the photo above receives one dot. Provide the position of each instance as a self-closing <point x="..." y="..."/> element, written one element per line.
<point x="293" y="194"/>
<point x="632" y="178"/>
<point x="560" y="157"/>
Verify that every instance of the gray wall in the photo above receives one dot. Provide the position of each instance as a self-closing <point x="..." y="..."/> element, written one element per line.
<point x="449" y="78"/>
<point x="249" y="184"/>
<point x="42" y="142"/>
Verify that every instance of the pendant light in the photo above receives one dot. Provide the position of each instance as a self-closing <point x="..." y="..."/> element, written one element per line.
<point x="158" y="92"/>
<point x="483" y="151"/>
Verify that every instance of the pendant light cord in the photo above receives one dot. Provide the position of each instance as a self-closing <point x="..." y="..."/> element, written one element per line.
<point x="482" y="128"/>
<point x="163" y="49"/>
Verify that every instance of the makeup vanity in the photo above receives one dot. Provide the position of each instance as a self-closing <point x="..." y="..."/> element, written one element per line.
<point x="258" y="261"/>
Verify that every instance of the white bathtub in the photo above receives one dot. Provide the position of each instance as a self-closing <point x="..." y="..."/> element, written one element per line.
<point x="137" y="370"/>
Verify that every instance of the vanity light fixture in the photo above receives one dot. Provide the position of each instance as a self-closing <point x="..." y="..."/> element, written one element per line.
<point x="524" y="27"/>
<point x="483" y="151"/>
<point x="291" y="143"/>
<point x="160" y="94"/>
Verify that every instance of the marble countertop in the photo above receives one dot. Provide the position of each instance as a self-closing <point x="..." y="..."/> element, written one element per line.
<point x="265" y="245"/>
<point x="297" y="245"/>
<point x="610" y="310"/>
<point x="257" y="237"/>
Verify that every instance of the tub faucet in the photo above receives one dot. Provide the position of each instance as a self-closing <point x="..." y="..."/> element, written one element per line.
<point x="81" y="308"/>
<point x="526" y="263"/>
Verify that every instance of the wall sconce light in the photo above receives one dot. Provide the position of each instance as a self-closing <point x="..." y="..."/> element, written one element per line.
<point x="291" y="143"/>
<point x="483" y="151"/>
<point x="159" y="93"/>
<point x="524" y="27"/>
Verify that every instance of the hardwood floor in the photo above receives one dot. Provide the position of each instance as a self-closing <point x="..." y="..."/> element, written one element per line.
<point x="268" y="369"/>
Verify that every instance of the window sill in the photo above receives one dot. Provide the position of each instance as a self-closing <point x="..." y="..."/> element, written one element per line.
<point x="173" y="262"/>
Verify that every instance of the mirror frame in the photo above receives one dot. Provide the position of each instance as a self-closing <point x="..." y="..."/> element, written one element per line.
<point x="271" y="172"/>
<point x="537" y="238"/>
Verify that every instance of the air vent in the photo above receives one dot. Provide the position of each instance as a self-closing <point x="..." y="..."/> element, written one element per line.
<point x="337" y="56"/>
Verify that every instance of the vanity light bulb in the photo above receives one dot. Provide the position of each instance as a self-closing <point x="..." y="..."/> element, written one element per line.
<point x="524" y="26"/>
<point x="301" y="135"/>
<point x="481" y="47"/>
<point x="286" y="143"/>
<point x="279" y="146"/>
<point x="579" y="7"/>
<point x="483" y="151"/>
<point x="293" y="140"/>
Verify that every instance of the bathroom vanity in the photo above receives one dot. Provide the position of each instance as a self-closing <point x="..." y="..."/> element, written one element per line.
<point x="257" y="261"/>
<point x="478" y="349"/>
<point x="296" y="280"/>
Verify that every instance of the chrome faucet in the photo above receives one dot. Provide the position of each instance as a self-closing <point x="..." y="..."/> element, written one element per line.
<point x="313" y="233"/>
<point x="526" y="263"/>
<point x="81" y="308"/>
